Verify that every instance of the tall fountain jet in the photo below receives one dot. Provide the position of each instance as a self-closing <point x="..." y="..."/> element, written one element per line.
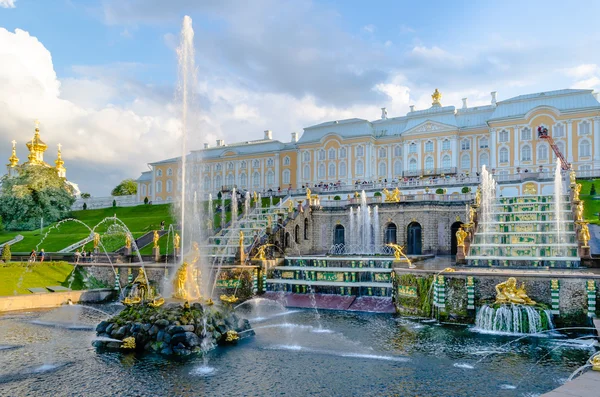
<point x="559" y="203"/>
<point x="488" y="198"/>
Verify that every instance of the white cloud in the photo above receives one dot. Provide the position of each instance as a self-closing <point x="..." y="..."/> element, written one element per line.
<point x="369" y="28"/>
<point x="406" y="29"/>
<point x="7" y="3"/>
<point x="584" y="70"/>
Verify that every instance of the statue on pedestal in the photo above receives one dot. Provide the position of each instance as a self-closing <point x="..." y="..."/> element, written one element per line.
<point x="584" y="234"/>
<point x="96" y="241"/>
<point x="176" y="241"/>
<point x="127" y="241"/>
<point x="155" y="239"/>
<point x="398" y="253"/>
<point x="507" y="292"/>
<point x="460" y="237"/>
<point x="576" y="191"/>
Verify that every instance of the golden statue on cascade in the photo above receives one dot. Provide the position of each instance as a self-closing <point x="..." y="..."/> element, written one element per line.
<point x="176" y="241"/>
<point x="261" y="252"/>
<point x="399" y="253"/>
<point x="127" y="241"/>
<point x="460" y="237"/>
<point x="576" y="191"/>
<point x="507" y="292"/>
<point x="393" y="196"/>
<point x="584" y="234"/>
<point x="155" y="239"/>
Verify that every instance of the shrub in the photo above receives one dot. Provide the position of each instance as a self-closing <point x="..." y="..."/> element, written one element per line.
<point x="593" y="190"/>
<point x="6" y="255"/>
<point x="465" y="189"/>
<point x="377" y="194"/>
<point x="219" y="195"/>
<point x="439" y="191"/>
<point x="114" y="203"/>
<point x="85" y="195"/>
<point x="84" y="206"/>
<point x="146" y="200"/>
<point x="337" y="198"/>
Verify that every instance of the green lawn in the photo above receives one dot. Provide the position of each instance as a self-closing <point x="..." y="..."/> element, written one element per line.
<point x="18" y="277"/>
<point x="591" y="206"/>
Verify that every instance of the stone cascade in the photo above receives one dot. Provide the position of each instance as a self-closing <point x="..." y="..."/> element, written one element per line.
<point x="352" y="276"/>
<point x="526" y="232"/>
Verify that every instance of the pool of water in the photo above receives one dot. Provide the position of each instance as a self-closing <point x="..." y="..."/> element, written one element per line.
<point x="294" y="353"/>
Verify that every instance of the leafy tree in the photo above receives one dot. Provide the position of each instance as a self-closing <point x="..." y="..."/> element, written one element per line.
<point x="146" y="200"/>
<point x="125" y="188"/>
<point x="36" y="192"/>
<point x="1" y="224"/>
<point x="84" y="206"/>
<point x="465" y="189"/>
<point x="6" y="254"/>
<point x="593" y="190"/>
<point x="114" y="203"/>
<point x="85" y="195"/>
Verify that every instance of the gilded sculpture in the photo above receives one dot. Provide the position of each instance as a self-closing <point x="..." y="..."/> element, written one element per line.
<point x="176" y="241"/>
<point x="155" y="239"/>
<point x="96" y="240"/>
<point x="478" y="197"/>
<point x="127" y="241"/>
<point x="291" y="206"/>
<point x="393" y="196"/>
<point x="579" y="212"/>
<point x="179" y="289"/>
<point x="308" y="191"/>
<point x="595" y="361"/>
<point x="242" y="248"/>
<point x="573" y="177"/>
<point x="460" y="237"/>
<point x="584" y="234"/>
<point x="255" y="196"/>
<point x="436" y="96"/>
<point x="399" y="253"/>
<point x="472" y="214"/>
<point x="261" y="252"/>
<point x="228" y="298"/>
<point x="128" y="343"/>
<point x="576" y="191"/>
<point x="507" y="292"/>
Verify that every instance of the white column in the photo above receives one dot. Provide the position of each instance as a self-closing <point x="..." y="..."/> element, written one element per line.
<point x="315" y="154"/>
<point x="438" y="147"/>
<point x="263" y="176"/>
<point x="455" y="154"/>
<point x="405" y="156"/>
<point x="492" y="144"/>
<point x="419" y="155"/>
<point x="596" y="142"/>
<point x="570" y="141"/>
<point x="517" y="152"/>
<point x="349" y="165"/>
<point x="368" y="175"/>
<point x="390" y="172"/>
<point x="276" y="172"/>
<point x="299" y="170"/>
<point x="153" y="197"/>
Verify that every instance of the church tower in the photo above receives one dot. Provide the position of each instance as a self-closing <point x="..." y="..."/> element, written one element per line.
<point x="60" y="169"/>
<point x="36" y="148"/>
<point x="13" y="161"/>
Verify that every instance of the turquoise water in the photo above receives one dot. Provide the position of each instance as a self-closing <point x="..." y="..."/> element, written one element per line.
<point x="294" y="353"/>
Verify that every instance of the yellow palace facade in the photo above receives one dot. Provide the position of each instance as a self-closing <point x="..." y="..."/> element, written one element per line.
<point x="440" y="140"/>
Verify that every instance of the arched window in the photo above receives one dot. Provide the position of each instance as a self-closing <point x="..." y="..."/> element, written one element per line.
<point x="218" y="182"/>
<point x="321" y="173"/>
<point x="143" y="190"/>
<point x="446" y="162"/>
<point x="429" y="163"/>
<point x="542" y="152"/>
<point x="306" y="172"/>
<point x="286" y="160"/>
<point x="584" y="148"/>
<point x="584" y="128"/>
<point x="230" y="165"/>
<point x="484" y="159"/>
<point x="465" y="161"/>
<point x="331" y="154"/>
<point x="158" y="172"/>
<point x="483" y="143"/>
<point x="306" y="156"/>
<point x="428" y="146"/>
<point x="219" y="166"/>
<point x="342" y="170"/>
<point x="526" y="134"/>
<point x="322" y="154"/>
<point x="297" y="234"/>
<point x="503" y="157"/>
<point x="331" y="171"/>
<point x="397" y="168"/>
<point x="382" y="152"/>
<point x="207" y="167"/>
<point x="382" y="169"/>
<point x="286" y="176"/>
<point x="412" y="148"/>
<point x="465" y="144"/>
<point x="270" y="162"/>
<point x="206" y="183"/>
<point x="169" y="172"/>
<point x="445" y="144"/>
<point x="360" y="168"/>
<point x="256" y="164"/>
<point x="158" y="186"/>
<point x="243" y="180"/>
<point x="561" y="147"/>
<point x="169" y="186"/>
<point x="526" y="153"/>
<point x="256" y="179"/>
<point x="338" y="235"/>
<point x="230" y="180"/>
<point x="559" y="131"/>
<point x="343" y="153"/>
<point x="390" y="236"/>
<point x="360" y="151"/>
<point x="270" y="178"/>
<point x="412" y="165"/>
<point x="397" y="151"/>
<point x="503" y="136"/>
<point x="306" y="228"/>
<point x="243" y="165"/>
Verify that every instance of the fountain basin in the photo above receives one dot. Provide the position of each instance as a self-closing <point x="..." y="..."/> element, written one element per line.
<point x="514" y="319"/>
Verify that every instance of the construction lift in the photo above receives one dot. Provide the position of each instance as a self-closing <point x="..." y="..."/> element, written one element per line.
<point x="543" y="134"/>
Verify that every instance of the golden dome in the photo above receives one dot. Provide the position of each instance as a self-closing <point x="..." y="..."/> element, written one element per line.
<point x="13" y="160"/>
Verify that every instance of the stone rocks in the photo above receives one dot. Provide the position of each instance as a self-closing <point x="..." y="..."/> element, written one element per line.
<point x="101" y="328"/>
<point x="162" y="323"/>
<point x="187" y="338"/>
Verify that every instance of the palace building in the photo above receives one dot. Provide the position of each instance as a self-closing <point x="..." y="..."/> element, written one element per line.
<point x="440" y="140"/>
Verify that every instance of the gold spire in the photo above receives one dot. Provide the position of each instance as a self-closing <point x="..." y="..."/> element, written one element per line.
<point x="36" y="147"/>
<point x="13" y="160"/>
<point x="60" y="163"/>
<point x="436" y="98"/>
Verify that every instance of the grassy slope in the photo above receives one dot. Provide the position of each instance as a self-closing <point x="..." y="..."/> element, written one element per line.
<point x="38" y="275"/>
<point x="591" y="206"/>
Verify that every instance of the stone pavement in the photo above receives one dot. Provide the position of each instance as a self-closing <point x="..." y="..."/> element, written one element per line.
<point x="586" y="385"/>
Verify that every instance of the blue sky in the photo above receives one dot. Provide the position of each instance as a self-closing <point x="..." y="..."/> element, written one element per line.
<point x="101" y="75"/>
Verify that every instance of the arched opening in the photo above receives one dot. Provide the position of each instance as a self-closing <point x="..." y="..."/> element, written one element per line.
<point x="286" y="242"/>
<point x="453" y="244"/>
<point x="306" y="228"/>
<point x="297" y="234"/>
<point x="390" y="234"/>
<point x="414" y="245"/>
<point x="339" y="235"/>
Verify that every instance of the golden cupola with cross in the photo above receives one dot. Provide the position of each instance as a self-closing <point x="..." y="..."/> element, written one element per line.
<point x="36" y="147"/>
<point x="13" y="160"/>
<point x="62" y="171"/>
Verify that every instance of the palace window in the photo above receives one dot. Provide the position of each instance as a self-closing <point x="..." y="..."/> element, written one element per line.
<point x="483" y="143"/>
<point x="256" y="179"/>
<point x="465" y="161"/>
<point x="484" y="159"/>
<point x="286" y="160"/>
<point x="559" y="131"/>
<point x="219" y="166"/>
<point x="445" y="144"/>
<point x="286" y="176"/>
<point x="412" y="165"/>
<point x="360" y="151"/>
<point x="143" y="190"/>
<point x="542" y="152"/>
<point x="321" y="154"/>
<point x="526" y="153"/>
<point x="256" y="163"/>
<point x="465" y="144"/>
<point x="342" y="170"/>
<point x="270" y="178"/>
<point x="584" y="128"/>
<point x="331" y="172"/>
<point x="503" y="157"/>
<point x="382" y="152"/>
<point x="230" y="180"/>
<point x="360" y="168"/>
<point x="306" y="172"/>
<point x="428" y="146"/>
<point x="218" y="182"/>
<point x="503" y="136"/>
<point x="382" y="169"/>
<point x="169" y="186"/>
<point x="306" y="156"/>
<point x="270" y="162"/>
<point x="343" y="153"/>
<point x="158" y="186"/>
<point x="243" y="165"/>
<point x="429" y="163"/>
<point x="526" y="134"/>
<point x="206" y="183"/>
<point x="561" y="147"/>
<point x="243" y="180"/>
<point x="207" y="168"/>
<point x="169" y="172"/>
<point x="321" y="171"/>
<point x="158" y="172"/>
<point x="230" y="165"/>
<point x="331" y="154"/>
<point x="584" y="148"/>
<point x="446" y="162"/>
<point x="397" y="151"/>
<point x="412" y="148"/>
<point x="398" y="168"/>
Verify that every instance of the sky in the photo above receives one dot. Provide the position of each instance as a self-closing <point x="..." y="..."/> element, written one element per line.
<point x="101" y="76"/>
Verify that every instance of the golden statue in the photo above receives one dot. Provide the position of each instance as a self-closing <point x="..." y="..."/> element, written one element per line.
<point x="472" y="214"/>
<point x="291" y="206"/>
<point x="573" y="177"/>
<point x="398" y="254"/>
<point x="460" y="237"/>
<point x="393" y="196"/>
<point x="260" y="253"/>
<point x="231" y="336"/>
<point x="436" y="97"/>
<point x="228" y="299"/>
<point x="584" y="234"/>
<point x="478" y="197"/>
<point x="179" y="290"/>
<point x="507" y="292"/>
<point x="242" y="248"/>
<point x="579" y="212"/>
<point x="308" y="191"/>
<point x="155" y="239"/>
<point x="176" y="241"/>
<point x="127" y="241"/>
<point x="595" y="361"/>
<point x="255" y="196"/>
<point x="576" y="191"/>
<point x="128" y="343"/>
<point x="96" y="240"/>
<point x="356" y="194"/>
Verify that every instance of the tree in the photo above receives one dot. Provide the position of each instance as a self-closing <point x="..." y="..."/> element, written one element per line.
<point x="114" y="203"/>
<point x="146" y="200"/>
<point x="127" y="187"/>
<point x="35" y="193"/>
<point x="84" y="206"/>
<point x="85" y="195"/>
<point x="593" y="190"/>
<point x="6" y="254"/>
